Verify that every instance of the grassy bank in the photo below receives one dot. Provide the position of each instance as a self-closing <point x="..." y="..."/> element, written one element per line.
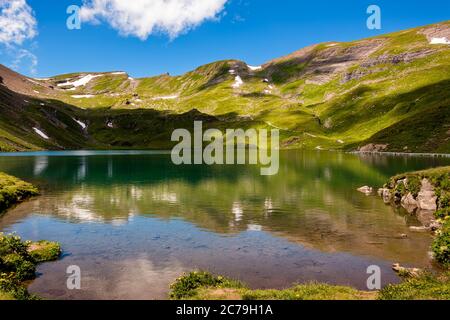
<point x="13" y="191"/>
<point x="410" y="183"/>
<point x="18" y="262"/>
<point x="200" y="285"/>
<point x="19" y="259"/>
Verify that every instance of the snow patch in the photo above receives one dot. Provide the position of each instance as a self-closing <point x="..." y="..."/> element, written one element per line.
<point x="237" y="82"/>
<point x="42" y="134"/>
<point x="32" y="81"/>
<point x="166" y="97"/>
<point x="82" y="124"/>
<point x="442" y="40"/>
<point x="82" y="96"/>
<point x="80" y="82"/>
<point x="117" y="73"/>
<point x="254" y="68"/>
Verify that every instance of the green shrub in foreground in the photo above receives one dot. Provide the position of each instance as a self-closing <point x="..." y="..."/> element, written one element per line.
<point x="426" y="287"/>
<point x="185" y="287"/>
<point x="441" y="245"/>
<point x="18" y="261"/>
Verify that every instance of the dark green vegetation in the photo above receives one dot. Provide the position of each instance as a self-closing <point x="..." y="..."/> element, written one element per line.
<point x="440" y="179"/>
<point x="13" y="190"/>
<point x="205" y="286"/>
<point x="387" y="93"/>
<point x="18" y="261"/>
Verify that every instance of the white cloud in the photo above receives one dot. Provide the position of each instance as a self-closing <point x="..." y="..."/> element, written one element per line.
<point x="17" y="22"/>
<point x="20" y="56"/>
<point x="141" y="18"/>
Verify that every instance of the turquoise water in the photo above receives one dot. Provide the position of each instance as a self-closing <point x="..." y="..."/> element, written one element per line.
<point x="133" y="222"/>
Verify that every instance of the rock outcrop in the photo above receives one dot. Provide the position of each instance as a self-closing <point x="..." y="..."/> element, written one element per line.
<point x="427" y="199"/>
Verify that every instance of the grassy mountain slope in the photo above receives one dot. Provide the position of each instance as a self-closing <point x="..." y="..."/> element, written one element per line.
<point x="388" y="93"/>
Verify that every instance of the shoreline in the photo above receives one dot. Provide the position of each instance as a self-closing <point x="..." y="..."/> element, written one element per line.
<point x="392" y="153"/>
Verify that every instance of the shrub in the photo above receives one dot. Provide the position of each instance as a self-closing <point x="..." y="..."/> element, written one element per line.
<point x="442" y="213"/>
<point x="43" y="251"/>
<point x="18" y="261"/>
<point x="441" y="245"/>
<point x="12" y="288"/>
<point x="444" y="200"/>
<point x="414" y="185"/>
<point x="425" y="287"/>
<point x="186" y="286"/>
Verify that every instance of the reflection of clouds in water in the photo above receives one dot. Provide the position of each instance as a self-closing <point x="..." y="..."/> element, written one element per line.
<point x="78" y="208"/>
<point x="254" y="227"/>
<point x="268" y="204"/>
<point x="141" y="278"/>
<point x="81" y="207"/>
<point x="164" y="195"/>
<point x="40" y="164"/>
<point x="131" y="278"/>
<point x="237" y="211"/>
<point x="136" y="193"/>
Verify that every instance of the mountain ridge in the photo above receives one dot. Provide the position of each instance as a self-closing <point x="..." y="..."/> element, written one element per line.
<point x="385" y="93"/>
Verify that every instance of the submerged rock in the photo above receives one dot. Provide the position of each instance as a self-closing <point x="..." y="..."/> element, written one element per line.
<point x="385" y="193"/>
<point x="366" y="190"/>
<point x="407" y="272"/>
<point x="420" y="229"/>
<point x="426" y="217"/>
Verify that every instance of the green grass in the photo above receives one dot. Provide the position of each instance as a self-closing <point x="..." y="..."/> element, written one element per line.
<point x="43" y="251"/>
<point x="426" y="287"/>
<point x="18" y="261"/>
<point x="201" y="285"/>
<point x="13" y="190"/>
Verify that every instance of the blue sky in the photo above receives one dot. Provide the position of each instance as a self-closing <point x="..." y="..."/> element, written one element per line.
<point x="251" y="30"/>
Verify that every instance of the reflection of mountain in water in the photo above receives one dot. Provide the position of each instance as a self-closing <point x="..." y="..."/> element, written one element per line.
<point x="311" y="201"/>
